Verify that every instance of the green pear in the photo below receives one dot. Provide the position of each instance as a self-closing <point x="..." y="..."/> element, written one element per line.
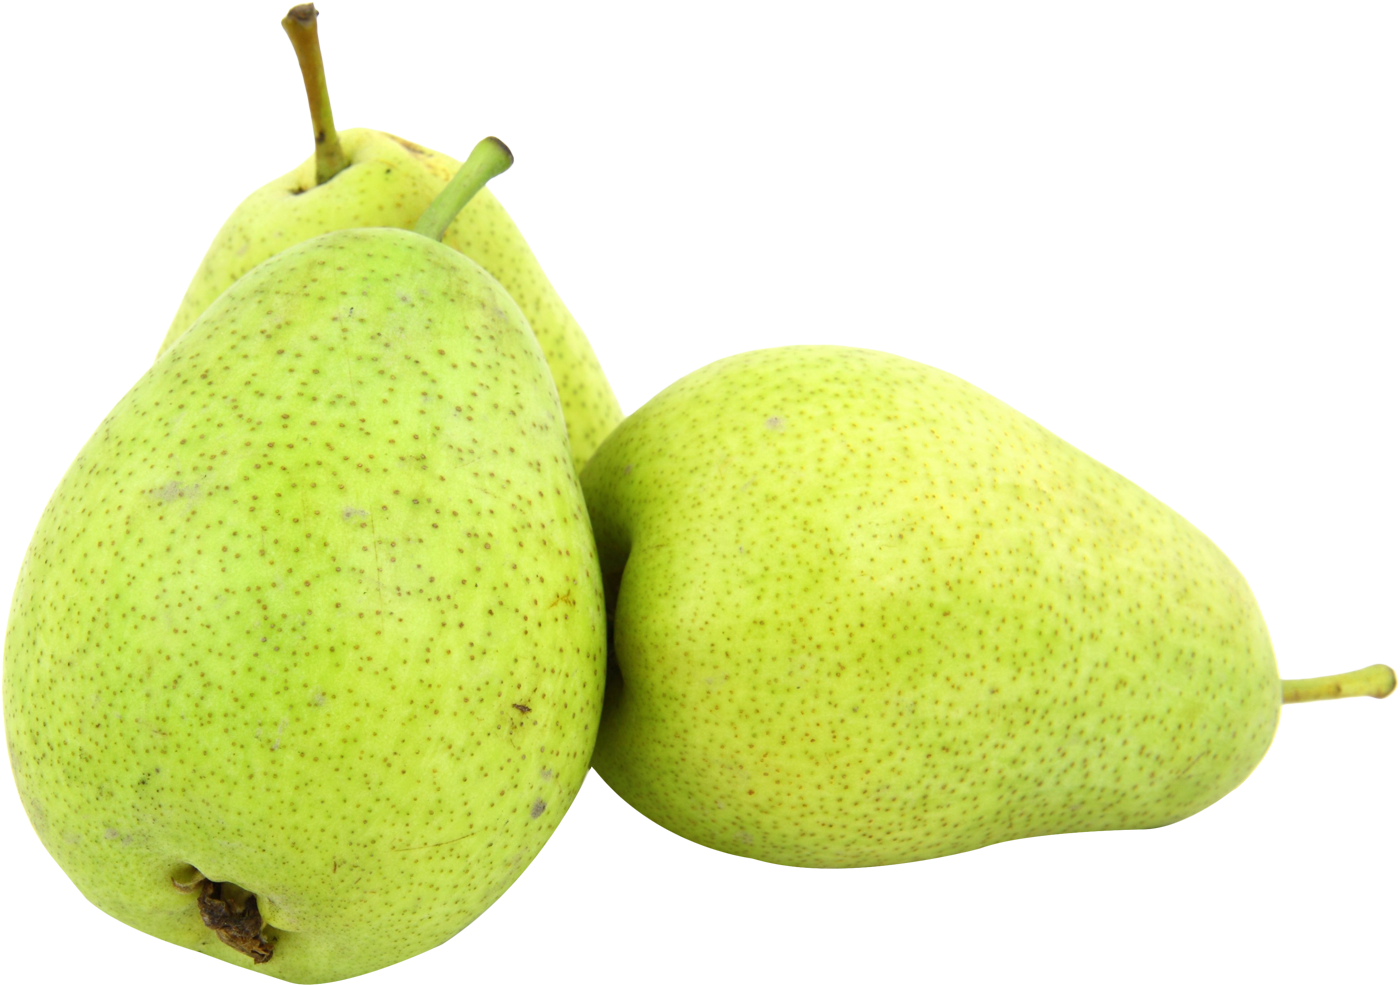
<point x="306" y="657"/>
<point x="361" y="178"/>
<point x="864" y="613"/>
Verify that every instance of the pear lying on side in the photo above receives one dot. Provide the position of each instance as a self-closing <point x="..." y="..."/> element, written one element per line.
<point x="360" y="178"/>
<point x="864" y="613"/>
<point x="306" y="657"/>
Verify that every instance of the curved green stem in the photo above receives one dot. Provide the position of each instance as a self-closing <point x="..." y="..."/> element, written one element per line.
<point x="1375" y="681"/>
<point x="488" y="158"/>
<point x="300" y="25"/>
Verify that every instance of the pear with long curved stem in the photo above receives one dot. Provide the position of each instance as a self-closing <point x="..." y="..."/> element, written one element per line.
<point x="358" y="178"/>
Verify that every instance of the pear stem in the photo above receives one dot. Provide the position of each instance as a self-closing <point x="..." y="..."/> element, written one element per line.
<point x="488" y="158"/>
<point x="300" y="25"/>
<point x="1375" y="681"/>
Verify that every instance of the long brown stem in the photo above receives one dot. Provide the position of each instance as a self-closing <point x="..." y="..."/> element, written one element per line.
<point x="300" y="25"/>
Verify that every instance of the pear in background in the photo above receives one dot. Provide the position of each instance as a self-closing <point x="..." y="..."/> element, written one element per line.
<point x="864" y="613"/>
<point x="361" y="178"/>
<point x="306" y="657"/>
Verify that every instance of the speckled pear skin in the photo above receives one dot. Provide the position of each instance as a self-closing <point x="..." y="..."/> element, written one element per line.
<point x="865" y="614"/>
<point x="389" y="182"/>
<point x="317" y="612"/>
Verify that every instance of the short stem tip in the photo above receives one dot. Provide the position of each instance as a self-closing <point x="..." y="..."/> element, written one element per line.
<point x="488" y="158"/>
<point x="1375" y="681"/>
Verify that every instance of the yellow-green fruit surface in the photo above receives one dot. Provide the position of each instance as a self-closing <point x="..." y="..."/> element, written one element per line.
<point x="316" y="611"/>
<point x="389" y="182"/>
<point x="865" y="613"/>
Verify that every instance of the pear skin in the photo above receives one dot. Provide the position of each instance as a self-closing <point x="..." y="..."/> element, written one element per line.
<point x="306" y="656"/>
<point x="864" y="613"/>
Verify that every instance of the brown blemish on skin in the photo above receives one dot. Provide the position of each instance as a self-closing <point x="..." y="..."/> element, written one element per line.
<point x="523" y="709"/>
<point x="538" y="809"/>
<point x="411" y="147"/>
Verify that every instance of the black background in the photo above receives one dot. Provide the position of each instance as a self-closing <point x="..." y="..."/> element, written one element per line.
<point x="1171" y="267"/>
